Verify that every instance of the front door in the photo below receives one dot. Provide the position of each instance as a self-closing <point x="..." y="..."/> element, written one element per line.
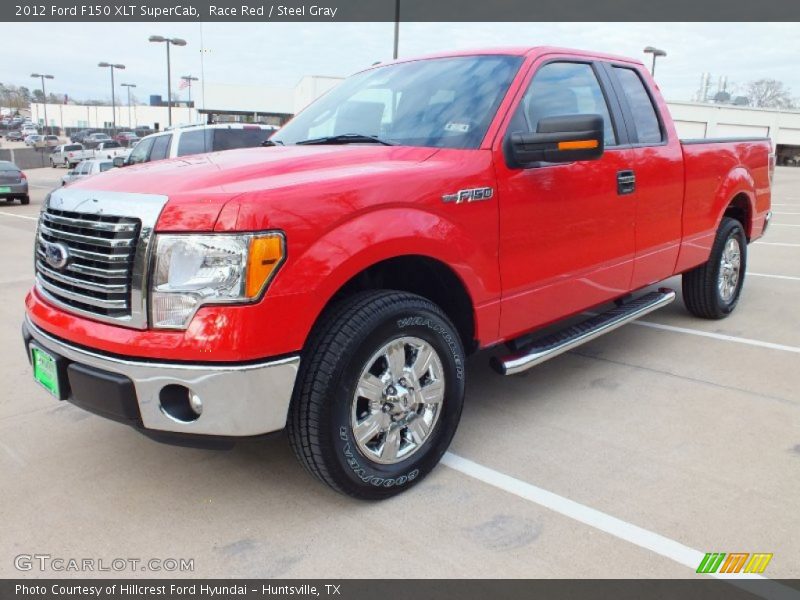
<point x="567" y="237"/>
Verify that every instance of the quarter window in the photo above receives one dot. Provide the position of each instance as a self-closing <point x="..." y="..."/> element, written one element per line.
<point x="560" y="89"/>
<point x="645" y="118"/>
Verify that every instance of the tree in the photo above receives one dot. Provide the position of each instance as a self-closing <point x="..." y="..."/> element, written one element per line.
<point x="769" y="93"/>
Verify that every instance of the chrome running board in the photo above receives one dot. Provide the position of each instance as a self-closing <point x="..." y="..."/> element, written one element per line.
<point x="557" y="343"/>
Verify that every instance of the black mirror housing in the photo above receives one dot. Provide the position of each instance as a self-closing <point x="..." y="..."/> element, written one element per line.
<point x="559" y="139"/>
<point x="119" y="161"/>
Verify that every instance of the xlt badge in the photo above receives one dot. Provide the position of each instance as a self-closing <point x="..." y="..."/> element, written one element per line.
<point x="469" y="195"/>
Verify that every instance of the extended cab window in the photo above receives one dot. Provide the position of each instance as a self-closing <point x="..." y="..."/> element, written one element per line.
<point x="245" y="137"/>
<point x="438" y="103"/>
<point x="559" y="89"/>
<point x="194" y="142"/>
<point x="645" y="118"/>
<point x="160" y="147"/>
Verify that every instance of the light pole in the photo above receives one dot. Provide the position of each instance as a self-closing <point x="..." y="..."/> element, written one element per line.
<point x="129" y="86"/>
<point x="396" y="28"/>
<point x="44" y="93"/>
<point x="174" y="42"/>
<point x="111" y="68"/>
<point x="655" y="52"/>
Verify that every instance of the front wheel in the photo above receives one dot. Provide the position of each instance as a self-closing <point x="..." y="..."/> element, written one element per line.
<point x="379" y="394"/>
<point x="712" y="290"/>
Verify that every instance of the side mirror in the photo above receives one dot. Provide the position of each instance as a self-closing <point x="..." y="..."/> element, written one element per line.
<point x="561" y="139"/>
<point x="119" y="161"/>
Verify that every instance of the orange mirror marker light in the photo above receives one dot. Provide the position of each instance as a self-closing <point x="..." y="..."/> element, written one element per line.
<point x="578" y="145"/>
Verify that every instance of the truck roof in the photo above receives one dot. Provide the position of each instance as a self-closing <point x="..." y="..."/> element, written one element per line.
<point x="518" y="51"/>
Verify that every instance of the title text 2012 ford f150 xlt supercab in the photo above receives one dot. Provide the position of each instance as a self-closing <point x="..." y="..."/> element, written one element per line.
<point x="334" y="282"/>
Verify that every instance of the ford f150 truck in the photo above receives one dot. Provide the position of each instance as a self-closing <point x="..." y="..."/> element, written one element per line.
<point x="333" y="283"/>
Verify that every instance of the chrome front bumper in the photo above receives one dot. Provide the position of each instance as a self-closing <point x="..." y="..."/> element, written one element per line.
<point x="238" y="400"/>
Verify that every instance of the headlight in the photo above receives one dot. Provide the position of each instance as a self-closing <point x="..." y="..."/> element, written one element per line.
<point x="193" y="270"/>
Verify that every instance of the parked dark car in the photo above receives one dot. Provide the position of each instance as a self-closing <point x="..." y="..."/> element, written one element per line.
<point x="94" y="139"/>
<point x="15" y="136"/>
<point x="13" y="183"/>
<point x="79" y="136"/>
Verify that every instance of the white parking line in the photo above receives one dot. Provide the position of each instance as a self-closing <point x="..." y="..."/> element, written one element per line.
<point x="5" y="214"/>
<point x="789" y="277"/>
<point x="777" y="244"/>
<point x="784" y="224"/>
<point x="785" y="213"/>
<point x="719" y="336"/>
<point x="638" y="536"/>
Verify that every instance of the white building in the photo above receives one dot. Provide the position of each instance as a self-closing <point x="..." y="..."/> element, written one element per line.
<point x="276" y="104"/>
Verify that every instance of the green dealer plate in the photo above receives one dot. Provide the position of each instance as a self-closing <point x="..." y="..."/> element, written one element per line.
<point x="5" y="190"/>
<point x="45" y="371"/>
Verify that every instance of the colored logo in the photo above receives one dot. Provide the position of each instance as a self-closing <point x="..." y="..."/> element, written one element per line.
<point x="735" y="562"/>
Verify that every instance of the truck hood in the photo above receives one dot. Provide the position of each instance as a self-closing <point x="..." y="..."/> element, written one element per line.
<point x="199" y="186"/>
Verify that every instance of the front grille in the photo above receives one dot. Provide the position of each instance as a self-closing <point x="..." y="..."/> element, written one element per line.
<point x="98" y="274"/>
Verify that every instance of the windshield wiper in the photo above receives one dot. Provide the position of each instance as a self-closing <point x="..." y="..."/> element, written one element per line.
<point x="272" y="143"/>
<point x="346" y="138"/>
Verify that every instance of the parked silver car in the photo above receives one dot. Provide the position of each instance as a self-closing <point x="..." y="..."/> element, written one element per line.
<point x="86" y="169"/>
<point x="13" y="183"/>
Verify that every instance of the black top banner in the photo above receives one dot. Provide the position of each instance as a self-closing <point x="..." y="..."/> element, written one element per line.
<point x="393" y="10"/>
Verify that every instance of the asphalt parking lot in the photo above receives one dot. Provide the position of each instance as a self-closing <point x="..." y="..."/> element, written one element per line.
<point x="632" y="456"/>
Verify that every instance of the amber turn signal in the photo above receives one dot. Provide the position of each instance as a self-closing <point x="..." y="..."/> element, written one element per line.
<point x="578" y="145"/>
<point x="266" y="255"/>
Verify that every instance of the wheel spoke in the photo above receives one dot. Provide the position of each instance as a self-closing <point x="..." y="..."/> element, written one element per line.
<point x="396" y="359"/>
<point x="419" y="429"/>
<point x="391" y="444"/>
<point x="368" y="428"/>
<point x="370" y="387"/>
<point x="422" y="362"/>
<point x="433" y="393"/>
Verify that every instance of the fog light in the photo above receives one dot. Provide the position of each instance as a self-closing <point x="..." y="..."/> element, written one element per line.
<point x="196" y="403"/>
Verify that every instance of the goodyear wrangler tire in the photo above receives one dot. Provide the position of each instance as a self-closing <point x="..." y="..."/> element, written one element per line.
<point x="712" y="290"/>
<point x="379" y="394"/>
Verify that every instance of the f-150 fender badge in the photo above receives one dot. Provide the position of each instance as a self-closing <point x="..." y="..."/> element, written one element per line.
<point x="470" y="195"/>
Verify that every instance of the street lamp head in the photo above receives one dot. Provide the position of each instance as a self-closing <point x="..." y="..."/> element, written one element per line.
<point x="49" y="77"/>
<point x="118" y="66"/>
<point x="103" y="64"/>
<point x="157" y="38"/>
<point x="654" y="51"/>
<point x="130" y="85"/>
<point x="35" y="75"/>
<point x="178" y="42"/>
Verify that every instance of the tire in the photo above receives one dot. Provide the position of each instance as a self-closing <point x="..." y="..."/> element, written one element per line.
<point x="25" y="200"/>
<point x="326" y="409"/>
<point x="704" y="293"/>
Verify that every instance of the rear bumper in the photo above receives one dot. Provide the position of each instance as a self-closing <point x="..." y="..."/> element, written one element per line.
<point x="238" y="400"/>
<point x="16" y="189"/>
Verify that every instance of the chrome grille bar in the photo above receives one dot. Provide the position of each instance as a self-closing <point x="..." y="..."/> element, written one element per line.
<point x="106" y="238"/>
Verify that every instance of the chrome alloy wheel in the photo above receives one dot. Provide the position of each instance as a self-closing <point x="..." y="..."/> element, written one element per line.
<point x="730" y="265"/>
<point x="398" y="400"/>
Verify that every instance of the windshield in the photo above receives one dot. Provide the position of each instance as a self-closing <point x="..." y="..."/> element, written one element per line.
<point x="438" y="103"/>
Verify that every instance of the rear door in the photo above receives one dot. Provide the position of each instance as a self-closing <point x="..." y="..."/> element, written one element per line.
<point x="657" y="165"/>
<point x="566" y="232"/>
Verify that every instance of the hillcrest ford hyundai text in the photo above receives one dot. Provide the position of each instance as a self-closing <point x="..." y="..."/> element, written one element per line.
<point x="333" y="282"/>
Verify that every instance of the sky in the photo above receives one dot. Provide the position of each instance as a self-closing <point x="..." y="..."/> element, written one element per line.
<point x="281" y="53"/>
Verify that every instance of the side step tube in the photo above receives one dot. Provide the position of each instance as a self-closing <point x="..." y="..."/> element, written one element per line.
<point x="580" y="333"/>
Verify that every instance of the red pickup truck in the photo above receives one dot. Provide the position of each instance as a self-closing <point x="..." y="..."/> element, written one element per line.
<point x="333" y="283"/>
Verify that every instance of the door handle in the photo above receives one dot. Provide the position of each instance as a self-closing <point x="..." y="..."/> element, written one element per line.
<point x="626" y="182"/>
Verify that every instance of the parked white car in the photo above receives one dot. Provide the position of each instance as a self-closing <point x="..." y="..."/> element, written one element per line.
<point x="196" y="139"/>
<point x="86" y="168"/>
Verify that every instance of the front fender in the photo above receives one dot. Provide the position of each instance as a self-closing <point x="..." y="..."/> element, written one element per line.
<point x="315" y="276"/>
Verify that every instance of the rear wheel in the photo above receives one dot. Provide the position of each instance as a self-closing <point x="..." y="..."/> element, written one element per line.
<point x="712" y="290"/>
<point x="25" y="200"/>
<point x="379" y="394"/>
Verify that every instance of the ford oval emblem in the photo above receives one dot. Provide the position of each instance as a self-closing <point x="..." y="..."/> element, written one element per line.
<point x="56" y="255"/>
